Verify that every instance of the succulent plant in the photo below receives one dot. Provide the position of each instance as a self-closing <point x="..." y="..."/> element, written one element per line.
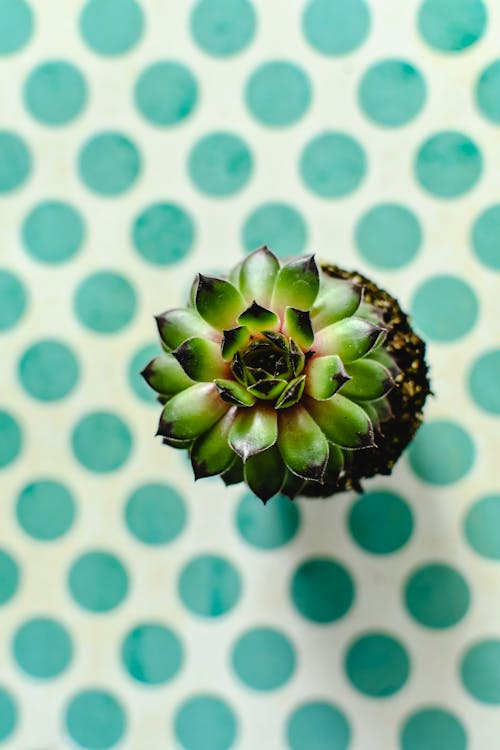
<point x="281" y="376"/>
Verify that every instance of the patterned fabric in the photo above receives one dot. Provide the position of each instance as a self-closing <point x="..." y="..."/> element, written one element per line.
<point x="141" y="142"/>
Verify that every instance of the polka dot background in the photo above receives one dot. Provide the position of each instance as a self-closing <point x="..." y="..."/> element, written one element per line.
<point x="142" y="141"/>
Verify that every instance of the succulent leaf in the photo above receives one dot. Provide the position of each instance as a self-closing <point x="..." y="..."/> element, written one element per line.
<point x="297" y="357"/>
<point x="239" y="370"/>
<point x="175" y="443"/>
<point x="336" y="300"/>
<point x="175" y="326"/>
<point x="165" y="375"/>
<point x="201" y="359"/>
<point x="325" y="375"/>
<point x="257" y="275"/>
<point x="385" y="359"/>
<point x="234" y="393"/>
<point x="369" y="380"/>
<point x="371" y="313"/>
<point x="302" y="444"/>
<point x="234" y="474"/>
<point x="264" y="473"/>
<point x="291" y="394"/>
<point x="234" y="339"/>
<point x="379" y="411"/>
<point x="298" y="325"/>
<point x="297" y="284"/>
<point x="211" y="453"/>
<point x="292" y="485"/>
<point x="258" y="318"/>
<point x="253" y="431"/>
<point x="342" y="421"/>
<point x="192" y="412"/>
<point x="218" y="301"/>
<point x="335" y="461"/>
<point x="350" y="338"/>
<point x="267" y="389"/>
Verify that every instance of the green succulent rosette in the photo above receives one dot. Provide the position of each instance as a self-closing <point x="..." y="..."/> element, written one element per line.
<point x="276" y="376"/>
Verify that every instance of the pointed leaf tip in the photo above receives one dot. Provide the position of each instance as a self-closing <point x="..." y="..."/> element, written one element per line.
<point x="218" y="301"/>
<point x="258" y="318"/>
<point x="297" y="284"/>
<point x="234" y="339"/>
<point x="325" y="376"/>
<point x="257" y="275"/>
<point x="350" y="338"/>
<point x="253" y="431"/>
<point x="201" y="359"/>
<point x="343" y="421"/>
<point x="302" y="444"/>
<point x="298" y="326"/>
<point x="264" y="473"/>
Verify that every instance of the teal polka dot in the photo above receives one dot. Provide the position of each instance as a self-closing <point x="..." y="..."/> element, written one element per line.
<point x="336" y="27"/>
<point x="163" y="234"/>
<point x="480" y="671"/>
<point x="220" y="164"/>
<point x="16" y="25"/>
<point x="53" y="232"/>
<point x="481" y="527"/>
<point x="13" y="300"/>
<point x="392" y="92"/>
<point x="433" y="729"/>
<point x="437" y="596"/>
<point x="152" y="654"/>
<point x="205" y="722"/>
<point x="109" y="163"/>
<point x="166" y="93"/>
<point x="377" y="665"/>
<point x="209" y="586"/>
<point x="488" y="92"/>
<point x="381" y="522"/>
<point x="322" y="590"/>
<point x="95" y="720"/>
<point x="263" y="658"/>
<point x="445" y="308"/>
<point x="111" y="27"/>
<point x="8" y="714"/>
<point x="11" y="439"/>
<point x="278" y="225"/>
<point x="442" y="452"/>
<point x="156" y="513"/>
<point x="332" y="165"/>
<point x="55" y="92"/>
<point x="42" y="648"/>
<point x="101" y="442"/>
<point x="270" y="526"/>
<point x="45" y="509"/>
<point x="137" y="383"/>
<point x="448" y="164"/>
<point x="278" y="93"/>
<point x="9" y="577"/>
<point x="223" y="27"/>
<point x="98" y="581"/>
<point x="15" y="161"/>
<point x="450" y="26"/>
<point x="484" y="378"/>
<point x="318" y="726"/>
<point x="105" y="302"/>
<point x="485" y="237"/>
<point x="48" y="370"/>
<point x="388" y="236"/>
